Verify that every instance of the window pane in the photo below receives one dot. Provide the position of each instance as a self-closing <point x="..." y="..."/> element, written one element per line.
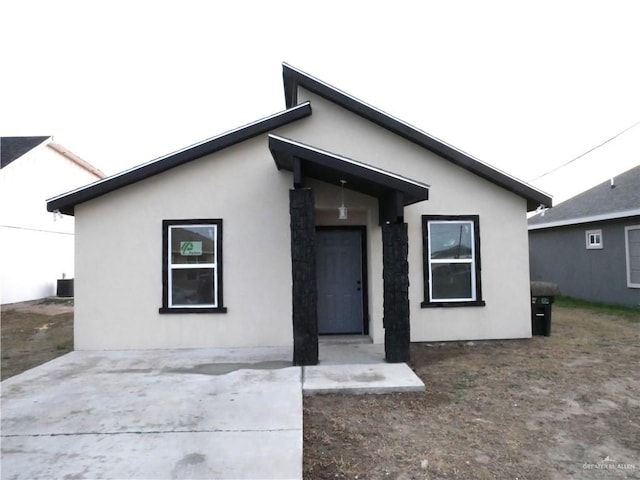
<point x="451" y="280"/>
<point x="193" y="245"/>
<point x="633" y="246"/>
<point x="450" y="240"/>
<point x="192" y="286"/>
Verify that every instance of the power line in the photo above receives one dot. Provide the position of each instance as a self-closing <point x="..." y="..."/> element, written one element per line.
<point x="35" y="230"/>
<point x="585" y="153"/>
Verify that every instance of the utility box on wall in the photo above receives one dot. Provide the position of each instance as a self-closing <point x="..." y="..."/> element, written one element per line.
<point x="65" y="287"/>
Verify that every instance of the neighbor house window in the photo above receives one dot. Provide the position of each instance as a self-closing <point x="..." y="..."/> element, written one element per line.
<point x="451" y="253"/>
<point x="594" y="239"/>
<point x="192" y="266"/>
<point x="632" y="246"/>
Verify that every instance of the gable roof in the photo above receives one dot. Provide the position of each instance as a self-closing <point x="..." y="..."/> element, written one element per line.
<point x="294" y="78"/>
<point x="12" y="148"/>
<point x="602" y="202"/>
<point x="328" y="167"/>
<point x="66" y="203"/>
<point x="392" y="190"/>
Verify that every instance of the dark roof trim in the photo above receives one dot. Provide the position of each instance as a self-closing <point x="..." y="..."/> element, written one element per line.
<point x="332" y="168"/>
<point x="66" y="203"/>
<point x="12" y="148"/>
<point x="294" y="78"/>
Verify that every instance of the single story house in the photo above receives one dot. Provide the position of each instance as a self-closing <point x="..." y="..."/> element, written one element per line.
<point x="329" y="217"/>
<point x="590" y="244"/>
<point x="37" y="247"/>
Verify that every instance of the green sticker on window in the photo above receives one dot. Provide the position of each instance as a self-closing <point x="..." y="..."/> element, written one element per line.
<point x="190" y="249"/>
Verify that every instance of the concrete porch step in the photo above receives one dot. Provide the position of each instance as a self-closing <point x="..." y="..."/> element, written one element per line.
<point x="360" y="379"/>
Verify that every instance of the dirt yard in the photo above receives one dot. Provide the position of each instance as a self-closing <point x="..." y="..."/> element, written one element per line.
<point x="34" y="333"/>
<point x="565" y="406"/>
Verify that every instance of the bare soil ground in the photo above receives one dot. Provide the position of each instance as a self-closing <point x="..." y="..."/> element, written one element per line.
<point x="34" y="333"/>
<point x="565" y="406"/>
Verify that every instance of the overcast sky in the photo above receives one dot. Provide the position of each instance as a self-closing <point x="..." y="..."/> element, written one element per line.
<point x="523" y="86"/>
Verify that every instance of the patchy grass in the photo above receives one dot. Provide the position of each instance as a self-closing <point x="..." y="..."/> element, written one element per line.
<point x="630" y="313"/>
<point x="34" y="333"/>
<point x="564" y="406"/>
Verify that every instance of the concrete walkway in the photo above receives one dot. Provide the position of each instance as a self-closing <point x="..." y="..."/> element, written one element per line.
<point x="172" y="414"/>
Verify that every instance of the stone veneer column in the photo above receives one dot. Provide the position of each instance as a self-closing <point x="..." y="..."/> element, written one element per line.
<point x="395" y="248"/>
<point x="303" y="269"/>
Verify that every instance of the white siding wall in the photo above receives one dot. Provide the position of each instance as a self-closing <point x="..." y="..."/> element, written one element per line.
<point x="35" y="248"/>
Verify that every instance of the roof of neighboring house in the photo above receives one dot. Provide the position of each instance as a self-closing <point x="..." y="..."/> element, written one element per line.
<point x="294" y="78"/>
<point x="12" y="148"/>
<point x="615" y="198"/>
<point x="76" y="159"/>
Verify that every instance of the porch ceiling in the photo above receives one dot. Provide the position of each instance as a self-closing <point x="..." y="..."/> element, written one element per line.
<point x="307" y="161"/>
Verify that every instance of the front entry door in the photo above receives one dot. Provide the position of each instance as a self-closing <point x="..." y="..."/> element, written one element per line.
<point x="339" y="277"/>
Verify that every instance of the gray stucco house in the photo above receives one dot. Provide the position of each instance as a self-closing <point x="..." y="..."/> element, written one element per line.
<point x="590" y="244"/>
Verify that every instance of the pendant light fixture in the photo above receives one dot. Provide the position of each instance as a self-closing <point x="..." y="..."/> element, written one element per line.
<point x="342" y="210"/>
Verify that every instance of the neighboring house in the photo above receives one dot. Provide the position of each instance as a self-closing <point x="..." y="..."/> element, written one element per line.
<point x="590" y="244"/>
<point x="36" y="247"/>
<point x="444" y="261"/>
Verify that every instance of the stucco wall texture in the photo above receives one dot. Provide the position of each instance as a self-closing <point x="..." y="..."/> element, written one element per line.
<point x="119" y="243"/>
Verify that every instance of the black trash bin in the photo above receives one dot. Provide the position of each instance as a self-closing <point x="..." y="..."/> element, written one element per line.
<point x="542" y="297"/>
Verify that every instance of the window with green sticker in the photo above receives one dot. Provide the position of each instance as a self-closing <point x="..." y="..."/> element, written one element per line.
<point x="192" y="266"/>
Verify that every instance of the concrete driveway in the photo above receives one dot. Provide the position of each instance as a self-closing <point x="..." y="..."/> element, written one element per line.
<point x="177" y="414"/>
<point x="155" y="415"/>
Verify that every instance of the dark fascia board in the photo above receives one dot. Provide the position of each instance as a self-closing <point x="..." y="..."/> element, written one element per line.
<point x="294" y="78"/>
<point x="66" y="203"/>
<point x="329" y="167"/>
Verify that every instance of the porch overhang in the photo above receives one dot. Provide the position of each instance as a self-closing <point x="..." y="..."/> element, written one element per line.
<point x="393" y="191"/>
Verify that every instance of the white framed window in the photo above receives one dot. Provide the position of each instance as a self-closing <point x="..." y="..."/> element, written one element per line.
<point x="593" y="239"/>
<point x="192" y="266"/>
<point x="451" y="252"/>
<point x="632" y="248"/>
